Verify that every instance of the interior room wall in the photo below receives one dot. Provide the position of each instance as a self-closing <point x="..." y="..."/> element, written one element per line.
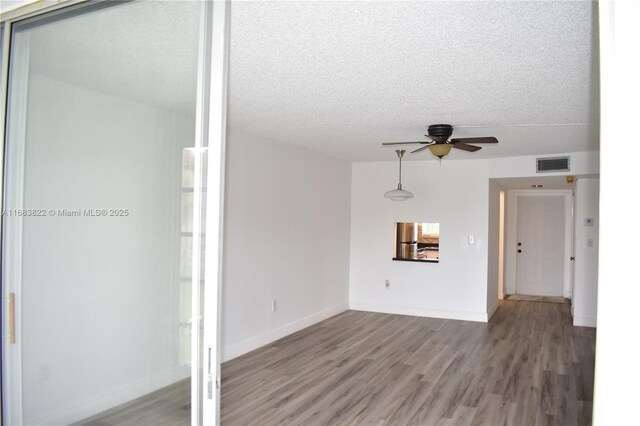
<point x="454" y="193"/>
<point x="581" y="163"/>
<point x="99" y="300"/>
<point x="286" y="239"/>
<point x="617" y="371"/>
<point x="501" y="245"/>
<point x="493" y="268"/>
<point x="586" y="250"/>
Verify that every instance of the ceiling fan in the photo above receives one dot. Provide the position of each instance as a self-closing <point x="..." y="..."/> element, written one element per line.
<point x="440" y="144"/>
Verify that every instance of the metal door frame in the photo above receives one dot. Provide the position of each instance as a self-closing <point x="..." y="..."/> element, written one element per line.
<point x="210" y="132"/>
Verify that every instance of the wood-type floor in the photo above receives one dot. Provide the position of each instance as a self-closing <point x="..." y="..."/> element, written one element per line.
<point x="167" y="406"/>
<point x="528" y="366"/>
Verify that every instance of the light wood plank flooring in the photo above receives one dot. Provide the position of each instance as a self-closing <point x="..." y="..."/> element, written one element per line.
<point x="527" y="366"/>
<point x="168" y="406"/>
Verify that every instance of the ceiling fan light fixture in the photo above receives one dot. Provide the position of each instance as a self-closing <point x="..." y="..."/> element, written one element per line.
<point x="440" y="149"/>
<point x="440" y="144"/>
<point x="399" y="194"/>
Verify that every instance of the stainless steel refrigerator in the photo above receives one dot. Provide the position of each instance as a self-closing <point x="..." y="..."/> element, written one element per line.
<point x="407" y="240"/>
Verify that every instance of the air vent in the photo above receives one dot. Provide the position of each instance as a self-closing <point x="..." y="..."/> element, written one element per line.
<point x="555" y="164"/>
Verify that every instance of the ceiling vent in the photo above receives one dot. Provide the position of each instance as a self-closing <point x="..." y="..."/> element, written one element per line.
<point x="555" y="164"/>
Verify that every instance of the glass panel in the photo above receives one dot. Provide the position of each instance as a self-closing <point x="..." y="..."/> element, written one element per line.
<point x="99" y="229"/>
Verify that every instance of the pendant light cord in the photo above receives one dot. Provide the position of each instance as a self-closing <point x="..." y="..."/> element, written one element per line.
<point x="400" y="152"/>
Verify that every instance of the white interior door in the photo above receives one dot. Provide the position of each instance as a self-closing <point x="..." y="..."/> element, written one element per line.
<point x="540" y="245"/>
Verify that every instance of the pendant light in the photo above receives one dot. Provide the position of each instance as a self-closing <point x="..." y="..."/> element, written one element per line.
<point x="399" y="194"/>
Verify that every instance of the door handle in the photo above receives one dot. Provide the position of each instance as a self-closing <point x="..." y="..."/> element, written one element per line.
<point x="12" y="318"/>
<point x="209" y="375"/>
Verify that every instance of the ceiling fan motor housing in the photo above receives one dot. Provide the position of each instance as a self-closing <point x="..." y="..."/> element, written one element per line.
<point x="440" y="131"/>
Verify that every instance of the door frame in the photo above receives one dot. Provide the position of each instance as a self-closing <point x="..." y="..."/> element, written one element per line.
<point x="219" y="16"/>
<point x="511" y="239"/>
<point x="211" y="130"/>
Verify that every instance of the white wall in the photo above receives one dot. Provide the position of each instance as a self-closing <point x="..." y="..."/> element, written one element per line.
<point x="617" y="351"/>
<point x="454" y="193"/>
<point x="493" y="271"/>
<point x="286" y="238"/>
<point x="99" y="306"/>
<point x="585" y="288"/>
<point x="581" y="163"/>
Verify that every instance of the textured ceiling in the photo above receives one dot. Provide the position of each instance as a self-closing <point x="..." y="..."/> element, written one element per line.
<point x="144" y="51"/>
<point x="342" y="77"/>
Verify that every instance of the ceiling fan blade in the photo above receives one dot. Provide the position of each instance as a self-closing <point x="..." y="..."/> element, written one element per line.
<point x="488" y="139"/>
<point x="422" y="148"/>
<point x="465" y="147"/>
<point x="403" y="143"/>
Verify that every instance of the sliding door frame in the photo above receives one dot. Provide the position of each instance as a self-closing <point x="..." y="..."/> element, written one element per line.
<point x="211" y="118"/>
<point x="217" y="123"/>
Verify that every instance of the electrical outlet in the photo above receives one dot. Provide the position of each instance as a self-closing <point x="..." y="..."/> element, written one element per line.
<point x="472" y="240"/>
<point x="274" y="305"/>
<point x="387" y="283"/>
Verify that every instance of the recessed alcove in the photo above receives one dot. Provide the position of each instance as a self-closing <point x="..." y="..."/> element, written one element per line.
<point x="417" y="242"/>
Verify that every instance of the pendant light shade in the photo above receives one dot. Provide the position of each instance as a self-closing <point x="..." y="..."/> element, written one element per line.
<point x="399" y="194"/>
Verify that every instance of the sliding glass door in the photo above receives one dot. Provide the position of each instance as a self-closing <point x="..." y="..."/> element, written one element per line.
<point x="105" y="266"/>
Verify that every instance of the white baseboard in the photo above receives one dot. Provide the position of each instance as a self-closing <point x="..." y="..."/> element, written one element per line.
<point x="419" y="311"/>
<point x="579" y="321"/>
<point x="96" y="404"/>
<point x="253" y="343"/>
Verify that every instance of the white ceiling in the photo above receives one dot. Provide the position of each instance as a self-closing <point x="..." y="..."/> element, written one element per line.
<point x="7" y="5"/>
<point x="342" y="77"/>
<point x="145" y="51"/>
